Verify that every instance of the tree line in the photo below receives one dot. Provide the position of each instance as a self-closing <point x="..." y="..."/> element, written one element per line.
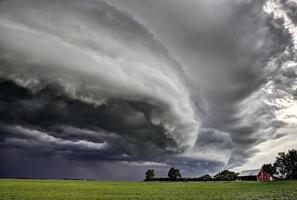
<point x="285" y="167"/>
<point x="175" y="175"/>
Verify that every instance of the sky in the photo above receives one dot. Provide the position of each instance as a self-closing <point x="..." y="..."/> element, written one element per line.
<point x="108" y="89"/>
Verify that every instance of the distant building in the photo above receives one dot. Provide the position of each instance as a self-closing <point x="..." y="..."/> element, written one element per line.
<point x="255" y="175"/>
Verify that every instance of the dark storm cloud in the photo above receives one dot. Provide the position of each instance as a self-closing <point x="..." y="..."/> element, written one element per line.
<point x="133" y="84"/>
<point x="85" y="81"/>
<point x="80" y="59"/>
<point x="232" y="57"/>
<point x="41" y="125"/>
<point x="46" y="119"/>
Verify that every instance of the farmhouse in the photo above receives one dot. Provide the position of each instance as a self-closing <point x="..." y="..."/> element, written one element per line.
<point x="255" y="175"/>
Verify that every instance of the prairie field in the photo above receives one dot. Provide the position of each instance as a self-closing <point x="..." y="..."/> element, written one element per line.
<point x="24" y="189"/>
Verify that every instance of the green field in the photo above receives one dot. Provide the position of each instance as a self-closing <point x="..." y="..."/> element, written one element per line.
<point x="72" y="190"/>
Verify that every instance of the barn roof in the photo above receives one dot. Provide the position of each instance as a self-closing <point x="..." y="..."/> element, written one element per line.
<point x="253" y="172"/>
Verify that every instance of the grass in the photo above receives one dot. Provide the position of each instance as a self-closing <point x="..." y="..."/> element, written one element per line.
<point x="83" y="190"/>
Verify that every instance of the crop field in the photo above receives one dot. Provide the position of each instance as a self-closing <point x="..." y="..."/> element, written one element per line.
<point x="82" y="190"/>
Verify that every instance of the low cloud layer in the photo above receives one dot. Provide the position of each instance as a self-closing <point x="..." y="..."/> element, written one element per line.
<point x="127" y="84"/>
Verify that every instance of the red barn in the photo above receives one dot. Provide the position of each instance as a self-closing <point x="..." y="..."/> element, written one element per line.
<point x="255" y="175"/>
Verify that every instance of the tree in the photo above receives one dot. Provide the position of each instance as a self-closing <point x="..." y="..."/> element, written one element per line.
<point x="269" y="168"/>
<point x="225" y="175"/>
<point x="174" y="174"/>
<point x="286" y="164"/>
<point x="149" y="175"/>
<point x="205" y="177"/>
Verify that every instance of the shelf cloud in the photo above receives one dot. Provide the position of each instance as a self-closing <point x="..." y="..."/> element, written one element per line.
<point x="123" y="85"/>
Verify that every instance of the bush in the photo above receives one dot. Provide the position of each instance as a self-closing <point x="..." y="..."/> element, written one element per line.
<point x="225" y="175"/>
<point x="205" y="177"/>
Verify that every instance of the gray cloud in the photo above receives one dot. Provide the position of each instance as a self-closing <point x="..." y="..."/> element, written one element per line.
<point x="77" y="61"/>
<point x="56" y="114"/>
<point x="231" y="57"/>
<point x="290" y="8"/>
<point x="192" y="84"/>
